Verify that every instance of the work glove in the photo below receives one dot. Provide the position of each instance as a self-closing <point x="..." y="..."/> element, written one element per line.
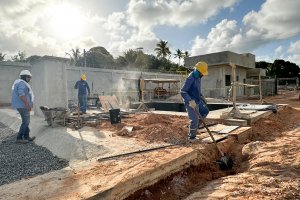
<point x="192" y="104"/>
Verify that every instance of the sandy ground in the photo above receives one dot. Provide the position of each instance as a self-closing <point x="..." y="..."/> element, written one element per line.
<point x="266" y="167"/>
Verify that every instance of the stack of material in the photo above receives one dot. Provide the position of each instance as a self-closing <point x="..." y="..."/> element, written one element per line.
<point x="55" y="115"/>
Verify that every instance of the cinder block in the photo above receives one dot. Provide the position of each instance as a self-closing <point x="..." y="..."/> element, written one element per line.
<point x="235" y="122"/>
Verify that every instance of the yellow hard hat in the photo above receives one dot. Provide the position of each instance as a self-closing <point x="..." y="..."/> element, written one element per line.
<point x="202" y="67"/>
<point x="83" y="77"/>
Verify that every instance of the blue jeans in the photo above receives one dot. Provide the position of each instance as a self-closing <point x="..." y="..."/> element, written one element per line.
<point x="82" y="98"/>
<point x="24" y="128"/>
<point x="194" y="119"/>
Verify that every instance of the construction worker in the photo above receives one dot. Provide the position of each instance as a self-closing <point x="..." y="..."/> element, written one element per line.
<point x="193" y="99"/>
<point x="22" y="100"/>
<point x="83" y="92"/>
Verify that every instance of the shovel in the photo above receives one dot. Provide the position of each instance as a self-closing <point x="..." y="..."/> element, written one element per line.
<point x="224" y="162"/>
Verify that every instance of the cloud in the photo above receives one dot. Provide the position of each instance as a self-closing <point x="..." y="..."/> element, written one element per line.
<point x="134" y="28"/>
<point x="25" y="26"/>
<point x="294" y="50"/>
<point x="274" y="21"/>
<point x="224" y="36"/>
<point x="150" y="13"/>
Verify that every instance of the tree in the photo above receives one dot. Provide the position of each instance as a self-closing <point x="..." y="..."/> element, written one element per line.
<point x="75" y="56"/>
<point x="130" y="56"/>
<point x="162" y="50"/>
<point x="99" y="57"/>
<point x="179" y="55"/>
<point x="286" y="69"/>
<point x="2" y="55"/>
<point x="20" y="57"/>
<point x="121" y="61"/>
<point x="186" y="54"/>
<point x="270" y="69"/>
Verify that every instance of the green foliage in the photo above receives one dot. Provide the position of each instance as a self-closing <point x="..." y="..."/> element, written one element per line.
<point x="99" y="57"/>
<point x="280" y="69"/>
<point x="130" y="56"/>
<point x="76" y="58"/>
<point x="286" y="69"/>
<point x="179" y="54"/>
<point x="20" y="57"/>
<point x="186" y="54"/>
<point x="2" y="55"/>
<point x="162" y="50"/>
<point x="121" y="61"/>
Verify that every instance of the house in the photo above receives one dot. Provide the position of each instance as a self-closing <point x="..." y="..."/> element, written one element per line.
<point x="218" y="81"/>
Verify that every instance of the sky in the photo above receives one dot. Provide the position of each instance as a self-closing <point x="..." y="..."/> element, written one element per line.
<point x="269" y="29"/>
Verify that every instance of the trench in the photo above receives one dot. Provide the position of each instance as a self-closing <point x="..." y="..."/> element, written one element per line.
<point x="192" y="179"/>
<point x="183" y="183"/>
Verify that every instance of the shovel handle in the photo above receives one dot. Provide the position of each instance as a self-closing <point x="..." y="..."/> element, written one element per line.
<point x="209" y="132"/>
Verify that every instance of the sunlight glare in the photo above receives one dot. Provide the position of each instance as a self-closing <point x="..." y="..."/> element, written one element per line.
<point x="66" y="21"/>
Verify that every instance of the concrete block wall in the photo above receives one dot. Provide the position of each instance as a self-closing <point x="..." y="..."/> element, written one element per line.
<point x="9" y="72"/>
<point x="107" y="82"/>
<point x="49" y="83"/>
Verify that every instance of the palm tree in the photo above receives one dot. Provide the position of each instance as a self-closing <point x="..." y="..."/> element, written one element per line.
<point x="162" y="50"/>
<point x="186" y="54"/>
<point x="178" y="55"/>
<point x="75" y="56"/>
<point x="2" y="55"/>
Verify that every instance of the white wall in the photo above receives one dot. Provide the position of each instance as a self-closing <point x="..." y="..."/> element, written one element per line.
<point x="49" y="84"/>
<point x="109" y="81"/>
<point x="9" y="72"/>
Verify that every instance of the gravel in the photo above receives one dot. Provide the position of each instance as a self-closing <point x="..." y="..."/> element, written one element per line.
<point x="18" y="161"/>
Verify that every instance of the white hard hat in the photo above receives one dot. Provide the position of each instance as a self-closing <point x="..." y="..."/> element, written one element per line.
<point x="25" y="72"/>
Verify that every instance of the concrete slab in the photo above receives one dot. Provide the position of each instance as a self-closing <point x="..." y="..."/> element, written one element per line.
<point x="74" y="145"/>
<point x="236" y="122"/>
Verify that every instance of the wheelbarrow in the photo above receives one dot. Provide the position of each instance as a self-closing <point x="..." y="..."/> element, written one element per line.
<point x="55" y="115"/>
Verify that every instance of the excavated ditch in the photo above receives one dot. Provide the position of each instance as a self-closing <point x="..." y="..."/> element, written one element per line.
<point x="194" y="178"/>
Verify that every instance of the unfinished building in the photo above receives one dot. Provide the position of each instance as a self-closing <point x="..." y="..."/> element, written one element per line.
<point x="218" y="82"/>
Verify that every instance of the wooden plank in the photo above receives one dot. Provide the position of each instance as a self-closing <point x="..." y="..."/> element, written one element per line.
<point x="109" y="102"/>
<point x="228" y="129"/>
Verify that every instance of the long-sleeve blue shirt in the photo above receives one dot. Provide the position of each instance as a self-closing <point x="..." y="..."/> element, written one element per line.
<point x="191" y="90"/>
<point x="83" y="87"/>
<point x="20" y="89"/>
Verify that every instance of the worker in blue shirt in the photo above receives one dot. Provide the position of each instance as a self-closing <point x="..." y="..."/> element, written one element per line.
<point x="22" y="100"/>
<point x="193" y="98"/>
<point x="83" y="92"/>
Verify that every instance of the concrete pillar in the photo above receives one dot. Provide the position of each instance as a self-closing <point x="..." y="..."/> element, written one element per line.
<point x="49" y="83"/>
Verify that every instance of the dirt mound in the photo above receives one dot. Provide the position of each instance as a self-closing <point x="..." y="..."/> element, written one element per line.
<point x="151" y="127"/>
<point x="276" y="123"/>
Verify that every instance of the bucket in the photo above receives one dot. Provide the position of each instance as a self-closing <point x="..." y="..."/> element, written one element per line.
<point x="115" y="116"/>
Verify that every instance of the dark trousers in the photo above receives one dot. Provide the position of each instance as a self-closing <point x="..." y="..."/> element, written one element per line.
<point x="24" y="128"/>
<point x="82" y="98"/>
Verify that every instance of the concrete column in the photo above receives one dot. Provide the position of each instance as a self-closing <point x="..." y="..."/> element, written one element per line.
<point x="49" y="84"/>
